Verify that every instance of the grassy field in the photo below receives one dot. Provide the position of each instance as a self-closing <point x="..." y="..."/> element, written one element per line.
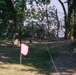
<point x="37" y="62"/>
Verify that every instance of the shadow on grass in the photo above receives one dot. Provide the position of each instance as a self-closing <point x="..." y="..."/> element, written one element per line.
<point x="37" y="57"/>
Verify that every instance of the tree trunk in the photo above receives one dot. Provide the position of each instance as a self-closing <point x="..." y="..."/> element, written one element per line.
<point x="70" y="11"/>
<point x="74" y="34"/>
<point x="65" y="19"/>
<point x="48" y="29"/>
<point x="58" y="25"/>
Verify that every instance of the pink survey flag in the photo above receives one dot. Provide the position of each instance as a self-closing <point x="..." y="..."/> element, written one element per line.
<point x="24" y="49"/>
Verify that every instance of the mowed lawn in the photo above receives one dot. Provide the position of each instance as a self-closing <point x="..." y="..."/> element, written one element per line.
<point x="36" y="62"/>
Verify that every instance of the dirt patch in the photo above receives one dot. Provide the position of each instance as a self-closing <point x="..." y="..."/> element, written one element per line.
<point x="65" y="61"/>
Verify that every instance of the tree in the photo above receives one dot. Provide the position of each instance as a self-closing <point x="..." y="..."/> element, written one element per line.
<point x="6" y="19"/>
<point x="71" y="16"/>
<point x="74" y="4"/>
<point x="14" y="16"/>
<point x="41" y="17"/>
<point x="58" y="25"/>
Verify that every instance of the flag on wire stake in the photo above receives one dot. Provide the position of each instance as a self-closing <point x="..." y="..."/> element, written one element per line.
<point x="24" y="51"/>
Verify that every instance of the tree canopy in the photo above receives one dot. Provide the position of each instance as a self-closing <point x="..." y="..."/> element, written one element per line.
<point x="29" y="16"/>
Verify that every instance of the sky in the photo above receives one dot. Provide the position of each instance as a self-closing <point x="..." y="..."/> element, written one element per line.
<point x="60" y="12"/>
<point x="58" y="5"/>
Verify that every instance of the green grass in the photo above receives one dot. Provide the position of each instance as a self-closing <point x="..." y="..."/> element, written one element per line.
<point x="36" y="61"/>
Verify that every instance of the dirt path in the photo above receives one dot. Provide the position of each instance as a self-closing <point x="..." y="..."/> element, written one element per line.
<point x="65" y="62"/>
<point x="66" y="65"/>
